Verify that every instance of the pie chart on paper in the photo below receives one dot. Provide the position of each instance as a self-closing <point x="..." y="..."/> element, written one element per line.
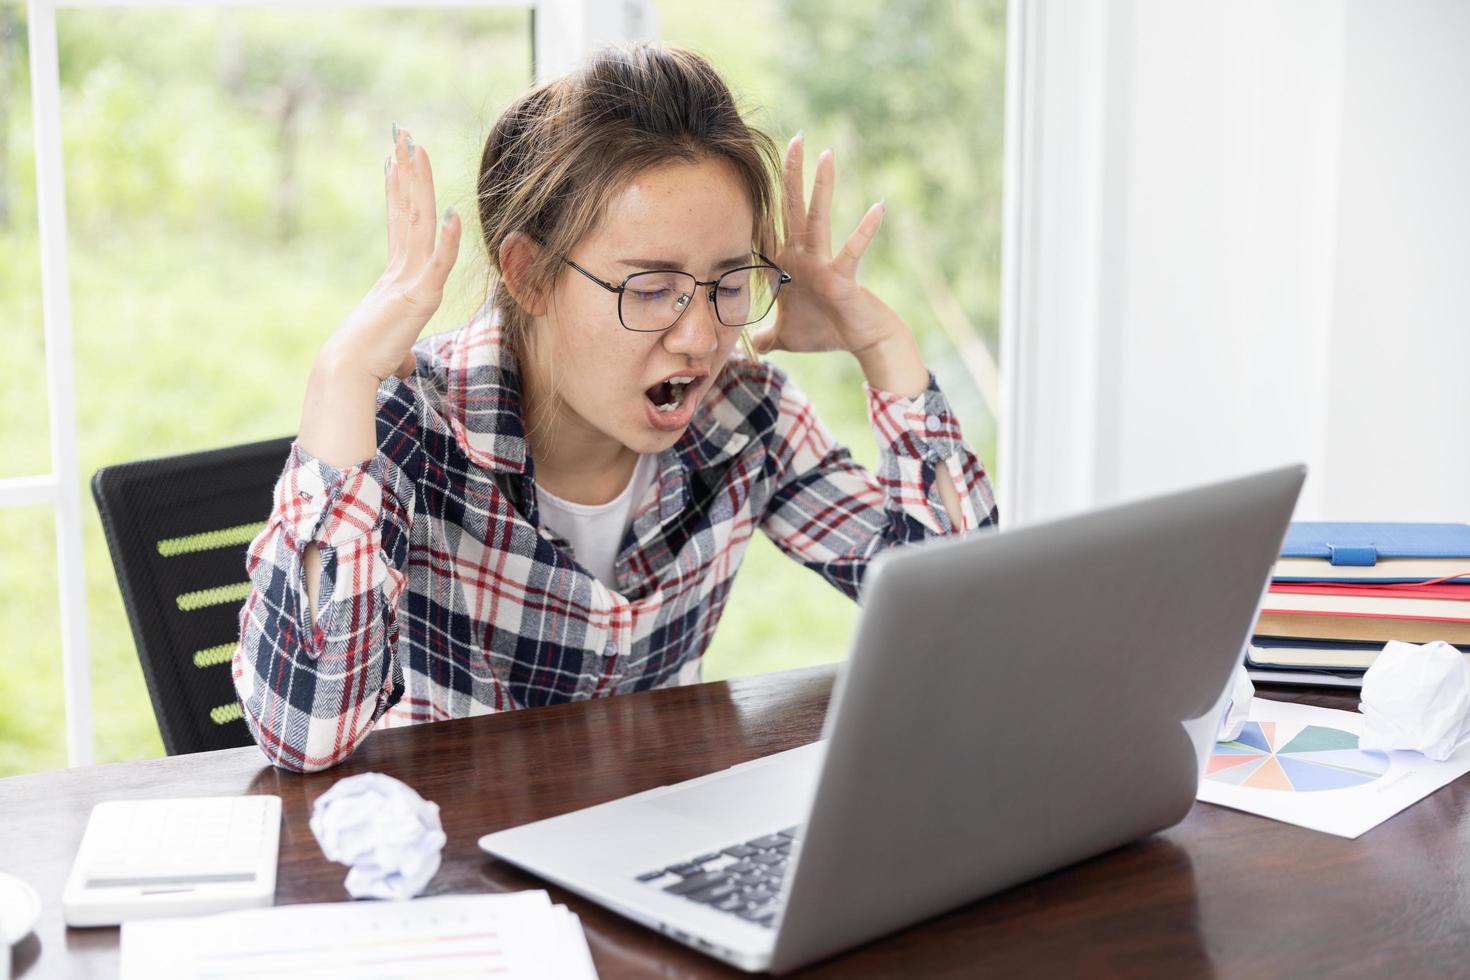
<point x="1294" y="759"/>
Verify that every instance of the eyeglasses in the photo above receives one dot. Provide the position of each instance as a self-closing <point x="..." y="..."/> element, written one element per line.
<point x="649" y="302"/>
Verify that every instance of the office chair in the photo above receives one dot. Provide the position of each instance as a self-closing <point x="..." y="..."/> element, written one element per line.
<point x="178" y="529"/>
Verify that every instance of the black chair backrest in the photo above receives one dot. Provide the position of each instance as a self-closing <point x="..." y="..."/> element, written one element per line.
<point x="178" y="529"/>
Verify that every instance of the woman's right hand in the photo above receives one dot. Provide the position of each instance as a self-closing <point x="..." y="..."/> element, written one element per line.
<point x="338" y="419"/>
<point x="376" y="339"/>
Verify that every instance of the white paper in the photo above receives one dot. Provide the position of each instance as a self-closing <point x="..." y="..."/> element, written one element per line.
<point x="1417" y="698"/>
<point x="1237" y="712"/>
<point x="1303" y="765"/>
<point x="519" y="934"/>
<point x="389" y="835"/>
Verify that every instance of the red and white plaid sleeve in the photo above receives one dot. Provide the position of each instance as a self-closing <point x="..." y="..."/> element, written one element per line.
<point x="917" y="435"/>
<point x="834" y="516"/>
<point x="312" y="690"/>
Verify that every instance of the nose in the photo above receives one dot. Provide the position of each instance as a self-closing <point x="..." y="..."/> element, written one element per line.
<point x="697" y="333"/>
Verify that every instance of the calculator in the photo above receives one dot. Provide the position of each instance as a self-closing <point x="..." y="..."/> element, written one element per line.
<point x="142" y="859"/>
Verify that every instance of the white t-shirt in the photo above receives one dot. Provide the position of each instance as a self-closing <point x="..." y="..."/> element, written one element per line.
<point x="595" y="530"/>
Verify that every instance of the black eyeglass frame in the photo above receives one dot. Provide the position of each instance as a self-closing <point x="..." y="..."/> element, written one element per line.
<point x="622" y="287"/>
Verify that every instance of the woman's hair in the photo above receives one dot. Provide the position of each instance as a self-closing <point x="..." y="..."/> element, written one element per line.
<point x="562" y="151"/>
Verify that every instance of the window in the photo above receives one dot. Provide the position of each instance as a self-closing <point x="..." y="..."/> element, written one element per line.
<point x="224" y="210"/>
<point x="919" y="122"/>
<point x="223" y="206"/>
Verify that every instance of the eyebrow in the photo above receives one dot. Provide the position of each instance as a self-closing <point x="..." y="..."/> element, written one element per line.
<point x="731" y="263"/>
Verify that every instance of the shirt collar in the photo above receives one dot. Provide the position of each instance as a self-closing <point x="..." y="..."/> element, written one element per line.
<point x="484" y="396"/>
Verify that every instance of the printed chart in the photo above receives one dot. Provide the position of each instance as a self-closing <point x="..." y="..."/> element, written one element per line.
<point x="1292" y="759"/>
<point x="1301" y="764"/>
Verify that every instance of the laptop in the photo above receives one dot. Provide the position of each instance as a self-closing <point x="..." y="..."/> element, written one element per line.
<point x="1014" y="702"/>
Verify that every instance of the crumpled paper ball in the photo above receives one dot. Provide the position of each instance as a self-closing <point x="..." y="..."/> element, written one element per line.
<point x="1418" y="698"/>
<point x="1238" y="712"/>
<point x="388" y="834"/>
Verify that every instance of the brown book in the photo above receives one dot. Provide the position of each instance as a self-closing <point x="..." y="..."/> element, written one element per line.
<point x="1315" y="626"/>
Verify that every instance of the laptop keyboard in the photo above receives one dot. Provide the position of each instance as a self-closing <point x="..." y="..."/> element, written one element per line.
<point x="742" y="879"/>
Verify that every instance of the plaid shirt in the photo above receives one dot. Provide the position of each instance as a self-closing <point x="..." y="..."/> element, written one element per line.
<point x="443" y="596"/>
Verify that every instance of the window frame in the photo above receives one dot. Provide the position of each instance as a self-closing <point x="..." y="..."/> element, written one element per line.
<point x="562" y="33"/>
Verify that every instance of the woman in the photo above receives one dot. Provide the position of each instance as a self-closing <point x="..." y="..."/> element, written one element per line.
<point x="552" y="501"/>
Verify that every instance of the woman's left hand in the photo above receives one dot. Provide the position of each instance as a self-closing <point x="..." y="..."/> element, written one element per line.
<point x="823" y="307"/>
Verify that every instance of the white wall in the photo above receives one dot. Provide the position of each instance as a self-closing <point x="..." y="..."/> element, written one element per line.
<point x="568" y="30"/>
<point x="1264" y="209"/>
<point x="1400" y="366"/>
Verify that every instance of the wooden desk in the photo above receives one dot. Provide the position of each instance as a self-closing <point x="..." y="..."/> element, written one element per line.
<point x="1223" y="893"/>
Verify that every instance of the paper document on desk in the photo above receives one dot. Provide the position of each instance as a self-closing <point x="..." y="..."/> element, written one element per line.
<point x="520" y="934"/>
<point x="1302" y="765"/>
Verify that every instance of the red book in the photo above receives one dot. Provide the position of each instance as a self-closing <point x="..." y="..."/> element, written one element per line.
<point x="1353" y="611"/>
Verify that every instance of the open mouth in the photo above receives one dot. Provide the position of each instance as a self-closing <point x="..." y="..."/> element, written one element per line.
<point x="667" y="396"/>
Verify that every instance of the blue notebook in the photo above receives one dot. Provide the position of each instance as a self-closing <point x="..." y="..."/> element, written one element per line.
<point x="1388" y="552"/>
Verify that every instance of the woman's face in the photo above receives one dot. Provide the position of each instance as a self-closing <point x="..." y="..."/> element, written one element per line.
<point x="694" y="217"/>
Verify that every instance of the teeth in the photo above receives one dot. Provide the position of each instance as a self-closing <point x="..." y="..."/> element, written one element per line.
<point x="677" y="387"/>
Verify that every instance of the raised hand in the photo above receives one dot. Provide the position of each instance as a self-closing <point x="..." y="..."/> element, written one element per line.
<point x="376" y="338"/>
<point x="824" y="307"/>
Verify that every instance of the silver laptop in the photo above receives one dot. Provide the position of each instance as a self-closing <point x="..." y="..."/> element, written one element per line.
<point x="1014" y="702"/>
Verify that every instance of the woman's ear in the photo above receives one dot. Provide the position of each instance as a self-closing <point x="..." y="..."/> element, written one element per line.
<point x="517" y="253"/>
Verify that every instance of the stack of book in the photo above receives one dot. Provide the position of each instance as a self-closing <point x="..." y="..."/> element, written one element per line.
<point x="1341" y="591"/>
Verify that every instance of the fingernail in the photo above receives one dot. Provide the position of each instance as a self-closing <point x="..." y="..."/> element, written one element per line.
<point x="395" y="134"/>
<point x="448" y="213"/>
<point x="386" y="160"/>
<point x="800" y="134"/>
<point x="409" y="143"/>
<point x="883" y="203"/>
